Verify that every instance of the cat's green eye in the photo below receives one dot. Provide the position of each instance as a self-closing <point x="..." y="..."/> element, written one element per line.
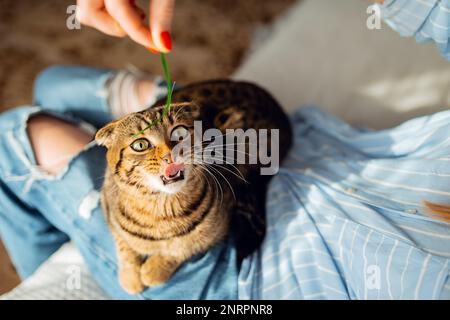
<point x="140" y="145"/>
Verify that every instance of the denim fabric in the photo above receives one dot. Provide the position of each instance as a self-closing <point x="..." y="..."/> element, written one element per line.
<point x="39" y="212"/>
<point x="345" y="215"/>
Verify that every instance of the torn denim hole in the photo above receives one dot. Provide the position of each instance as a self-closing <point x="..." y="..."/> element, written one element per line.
<point x="88" y="204"/>
<point x="21" y="144"/>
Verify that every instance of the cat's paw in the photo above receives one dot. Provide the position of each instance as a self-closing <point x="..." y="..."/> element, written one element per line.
<point x="156" y="270"/>
<point x="130" y="280"/>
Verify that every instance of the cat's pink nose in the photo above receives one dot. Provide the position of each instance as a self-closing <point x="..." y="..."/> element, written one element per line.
<point x="172" y="170"/>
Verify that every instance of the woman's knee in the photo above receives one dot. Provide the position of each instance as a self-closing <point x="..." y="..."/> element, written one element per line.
<point x="55" y="141"/>
<point x="47" y="82"/>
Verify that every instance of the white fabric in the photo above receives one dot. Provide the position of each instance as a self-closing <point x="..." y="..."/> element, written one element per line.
<point x="320" y="53"/>
<point x="63" y="276"/>
<point x="323" y="54"/>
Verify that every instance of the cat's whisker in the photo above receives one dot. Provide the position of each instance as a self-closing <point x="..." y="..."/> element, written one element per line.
<point x="225" y="134"/>
<point x="218" y="136"/>
<point x="221" y="165"/>
<point x="236" y="144"/>
<point x="215" y="180"/>
<point x="203" y="171"/>
<point x="217" y="147"/>
<point x="240" y="176"/>
<point x="232" y="172"/>
<point x="199" y="158"/>
<point x="242" y="152"/>
<point x="197" y="169"/>
<point x="219" y="189"/>
<point x="226" y="180"/>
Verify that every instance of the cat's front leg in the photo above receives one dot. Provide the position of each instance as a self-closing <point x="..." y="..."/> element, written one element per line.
<point x="157" y="269"/>
<point x="129" y="267"/>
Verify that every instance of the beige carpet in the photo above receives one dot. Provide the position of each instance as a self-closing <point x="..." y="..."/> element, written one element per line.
<point x="210" y="40"/>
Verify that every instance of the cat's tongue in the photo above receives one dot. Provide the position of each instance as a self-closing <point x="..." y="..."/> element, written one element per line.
<point x="172" y="170"/>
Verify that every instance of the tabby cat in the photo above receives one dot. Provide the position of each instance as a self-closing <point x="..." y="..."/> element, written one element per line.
<point x="163" y="211"/>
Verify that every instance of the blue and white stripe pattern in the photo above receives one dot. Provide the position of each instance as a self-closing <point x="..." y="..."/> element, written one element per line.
<point x="427" y="20"/>
<point x="345" y="215"/>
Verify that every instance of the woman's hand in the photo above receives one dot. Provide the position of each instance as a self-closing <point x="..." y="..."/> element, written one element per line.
<point x="123" y="17"/>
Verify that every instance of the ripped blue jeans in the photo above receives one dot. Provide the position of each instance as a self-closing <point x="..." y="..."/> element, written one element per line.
<point x="39" y="212"/>
<point x="345" y="218"/>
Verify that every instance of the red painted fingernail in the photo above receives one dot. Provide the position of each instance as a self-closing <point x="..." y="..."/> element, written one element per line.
<point x="166" y="40"/>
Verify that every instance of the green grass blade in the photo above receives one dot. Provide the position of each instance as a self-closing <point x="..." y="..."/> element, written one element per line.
<point x="169" y="96"/>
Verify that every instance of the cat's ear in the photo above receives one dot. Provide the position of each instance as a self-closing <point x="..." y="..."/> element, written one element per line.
<point x="105" y="135"/>
<point x="185" y="110"/>
<point x="194" y="110"/>
<point x="229" y="118"/>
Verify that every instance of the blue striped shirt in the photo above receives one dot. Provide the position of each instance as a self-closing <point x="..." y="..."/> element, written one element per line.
<point x="426" y="20"/>
<point x="345" y="215"/>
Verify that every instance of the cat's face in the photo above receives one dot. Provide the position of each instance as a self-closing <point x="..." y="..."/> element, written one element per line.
<point x="147" y="160"/>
